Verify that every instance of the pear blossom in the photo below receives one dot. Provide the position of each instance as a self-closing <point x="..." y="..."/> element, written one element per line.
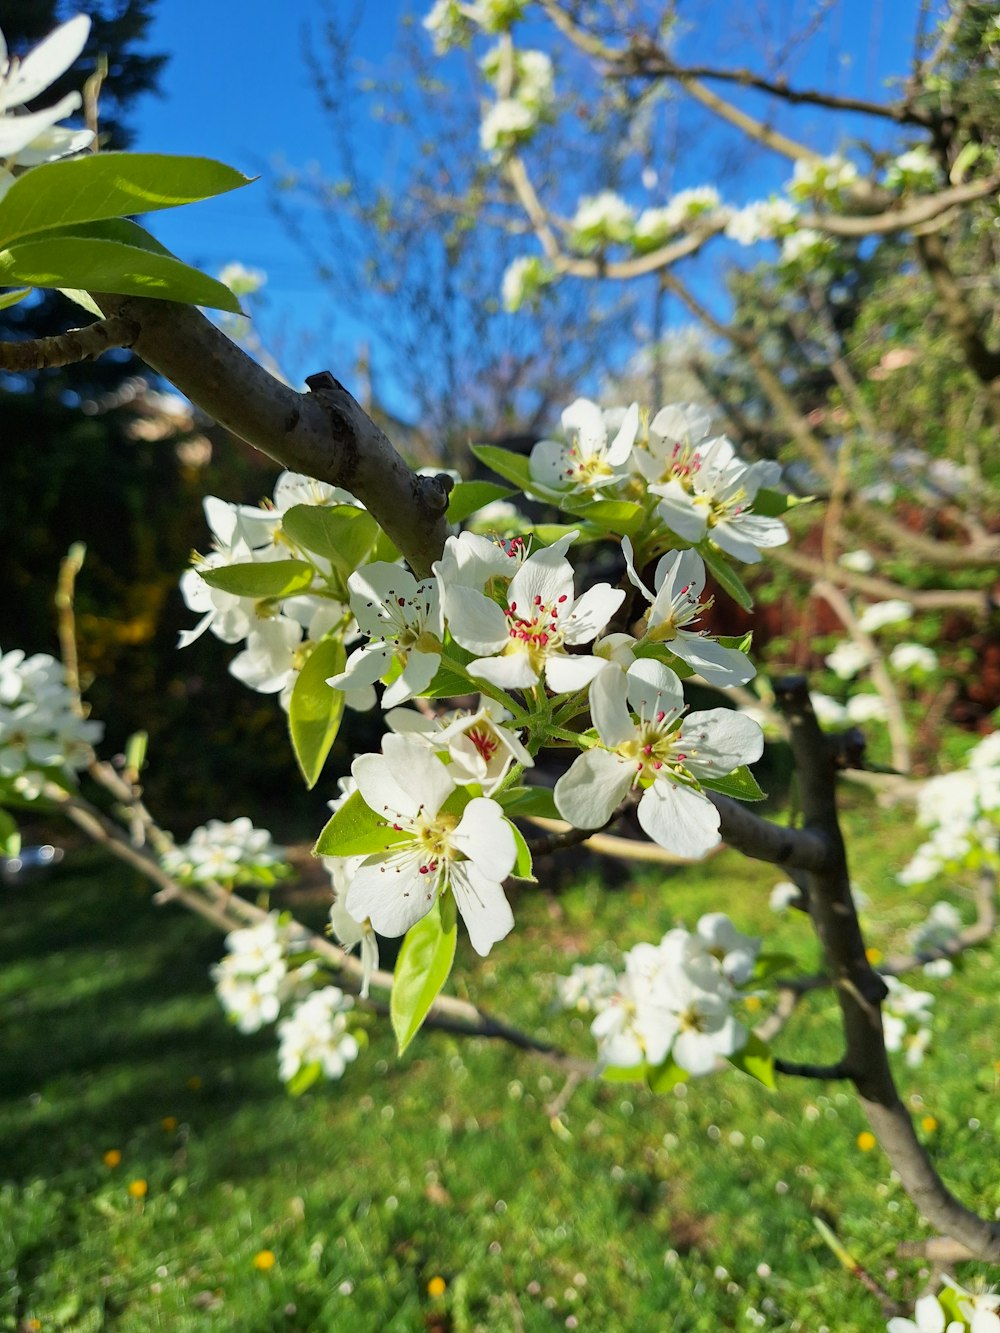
<point x="735" y="952"/>
<point x="822" y="177"/>
<point x="588" y="988"/>
<point x="479" y="748"/>
<point x="448" y="25"/>
<point x="762" y="220"/>
<point x="663" y="752"/>
<point x="679" y="580"/>
<point x="600" y="219"/>
<point x="33" y="137"/>
<point x="348" y="932"/>
<point x="402" y="618"/>
<point x="862" y="708"/>
<point x="929" y="1318"/>
<point x="709" y="492"/>
<point x="848" y="658"/>
<point x="915" y="657"/>
<point x="471" y="560"/>
<point x="233" y="853"/>
<point x="586" y="462"/>
<point x="806" y="245"/>
<point x="879" y="614"/>
<point x="428" y="850"/>
<point x="526" y="639"/>
<point x="784" y="895"/>
<point x="860" y="561"/>
<point x="829" y="711"/>
<point x="40" y="725"/>
<point x="316" y="1033"/>
<point x="906" y="1019"/>
<point x="523" y="280"/>
<point x="914" y="169"/>
<point x="505" y="124"/>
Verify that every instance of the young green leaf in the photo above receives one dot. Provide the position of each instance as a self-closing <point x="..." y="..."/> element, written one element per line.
<point x="269" y="578"/>
<point x="741" y="785"/>
<point x="315" y="708"/>
<point x="108" y="185"/>
<point x="724" y="575"/>
<point x="343" y="534"/>
<point x="666" y="1076"/>
<point x="356" y="830"/>
<point x="109" y="266"/>
<point x="469" y="496"/>
<point x="422" y="968"/>
<point x="514" y="467"/>
<point x="756" y="1060"/>
<point x="522" y="866"/>
<point x="10" y="838"/>
<point x="523" y="801"/>
<point x="7" y="299"/>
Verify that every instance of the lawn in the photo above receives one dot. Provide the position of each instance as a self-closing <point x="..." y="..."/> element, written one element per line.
<point x="157" y="1176"/>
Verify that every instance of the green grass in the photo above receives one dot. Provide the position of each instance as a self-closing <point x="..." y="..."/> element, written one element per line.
<point x="690" y="1211"/>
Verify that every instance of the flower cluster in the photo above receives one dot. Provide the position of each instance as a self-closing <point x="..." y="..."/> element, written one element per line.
<point x="524" y="80"/>
<point x="952" y="1310"/>
<point x="673" y="1002"/>
<point x="42" y="732"/>
<point x="283" y="612"/>
<point x="254" y="979"/>
<point x="229" y="854"/>
<point x="29" y="138"/>
<point x="962" y="810"/>
<point x="315" y="1037"/>
<point x="693" y="484"/>
<point x="906" y="1019"/>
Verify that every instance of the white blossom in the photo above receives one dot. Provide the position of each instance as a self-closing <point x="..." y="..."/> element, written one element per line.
<point x="601" y="219"/>
<point x="906" y="657"/>
<point x="763" y="220"/>
<point x="32" y="137"/>
<point x="479" y="748"/>
<point x="585" y="461"/>
<point x="438" y="852"/>
<point x="40" y="725"/>
<point x="860" y="561"/>
<point x="679" y="580"/>
<point x="588" y="988"/>
<point x="879" y="614"/>
<point x="230" y="853"/>
<point x="316" y="1033"/>
<point x="661" y="751"/>
<point x="862" y="708"/>
<point x="527" y="638"/>
<point x="848" y="658"/>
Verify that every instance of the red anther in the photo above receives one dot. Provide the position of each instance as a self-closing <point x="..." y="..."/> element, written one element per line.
<point x="423" y="870"/>
<point x="660" y="716"/>
<point x="398" y="828"/>
<point x="657" y="763"/>
<point x="513" y="607"/>
<point x="564" y="597"/>
<point x="538" y="599"/>
<point x="400" y="601"/>
<point x="647" y="750"/>
<point x="681" y="758"/>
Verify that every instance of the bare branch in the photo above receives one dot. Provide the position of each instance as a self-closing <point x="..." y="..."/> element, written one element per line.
<point x="905" y="215"/>
<point x="65" y="349"/>
<point x="324" y="434"/>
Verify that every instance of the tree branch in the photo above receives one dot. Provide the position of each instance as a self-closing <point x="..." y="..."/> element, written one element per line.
<point x="65" y="349"/>
<point x="325" y="433"/>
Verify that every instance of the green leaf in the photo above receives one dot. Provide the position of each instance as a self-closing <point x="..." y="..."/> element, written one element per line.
<point x="303" y="1080"/>
<point x="315" y="708"/>
<point x="264" y="578"/>
<point x="469" y="496"/>
<point x="108" y="185"/>
<point x="741" y="785"/>
<point x="547" y="533"/>
<point x="756" y="1060"/>
<point x="7" y="299"/>
<point x="522" y="866"/>
<point x="10" y="838"/>
<point x="524" y="801"/>
<point x="356" y="830"/>
<point x="772" y="504"/>
<point x="514" y="467"/>
<point x="724" y="575"/>
<point x="666" y="1076"/>
<point x="422" y="968"/>
<point x="625" y="1073"/>
<point x="385" y="549"/>
<point x="623" y="517"/>
<point x="110" y="266"/>
<point x="108" y="229"/>
<point x="343" y="534"/>
<point x="770" y="965"/>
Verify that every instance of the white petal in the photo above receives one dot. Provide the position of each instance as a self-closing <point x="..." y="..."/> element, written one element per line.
<point x="418" y="771"/>
<point x="621" y="445"/>
<point x="565" y="674"/>
<point x="512" y="671"/>
<point x="609" y="707"/>
<point x="679" y="819"/>
<point x="485" y="837"/>
<point x="418" y="673"/>
<point x="714" y="663"/>
<point x="363" y="667"/>
<point x="585" y="419"/>
<point x="546" y="575"/>
<point x="46" y="62"/>
<point x="547" y="465"/>
<point x="681" y="422"/>
<point x="628" y="552"/>
<point x="483" y="905"/>
<point x="476" y="622"/>
<point x="391" y="892"/>
<point x="592" y="788"/>
<point x="18" y="132"/>
<point x="592" y="611"/>
<point x="720" y="740"/>
<point x="677" y="510"/>
<point x="654" y="688"/>
<point x="676" y="570"/>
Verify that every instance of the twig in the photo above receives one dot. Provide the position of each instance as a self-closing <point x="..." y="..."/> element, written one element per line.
<point x="65" y="349"/>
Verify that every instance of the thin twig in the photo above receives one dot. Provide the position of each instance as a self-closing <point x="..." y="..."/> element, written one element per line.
<point x="65" y="349"/>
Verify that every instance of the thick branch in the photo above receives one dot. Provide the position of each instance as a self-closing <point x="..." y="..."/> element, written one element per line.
<point x="66" y="349"/>
<point x="793" y="848"/>
<point x="908" y="214"/>
<point x="860" y="990"/>
<point x="325" y="433"/>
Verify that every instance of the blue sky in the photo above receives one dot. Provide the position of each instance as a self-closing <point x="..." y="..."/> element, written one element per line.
<point x="236" y="88"/>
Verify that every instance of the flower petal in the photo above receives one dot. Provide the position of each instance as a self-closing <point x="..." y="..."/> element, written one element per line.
<point x="589" y="792"/>
<point x="679" y="819"/>
<point x="483" y="905"/>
